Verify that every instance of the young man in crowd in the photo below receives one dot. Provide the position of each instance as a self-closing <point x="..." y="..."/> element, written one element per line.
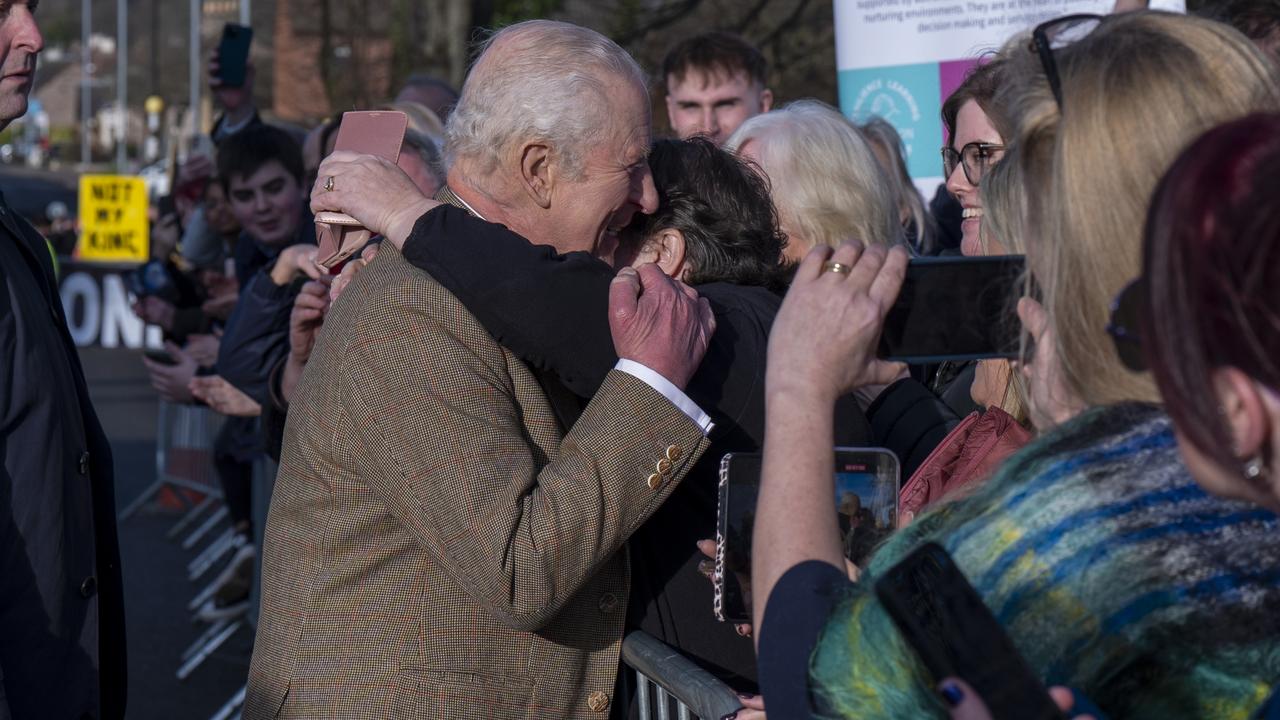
<point x="62" y="641"/>
<point x="261" y="169"/>
<point x="715" y="82"/>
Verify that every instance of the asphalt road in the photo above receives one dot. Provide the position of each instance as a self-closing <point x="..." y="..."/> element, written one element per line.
<point x="156" y="586"/>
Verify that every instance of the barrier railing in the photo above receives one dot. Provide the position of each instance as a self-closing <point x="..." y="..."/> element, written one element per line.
<point x="667" y="681"/>
<point x="184" y="461"/>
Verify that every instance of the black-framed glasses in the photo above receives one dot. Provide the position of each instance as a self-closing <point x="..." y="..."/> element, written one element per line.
<point x="975" y="158"/>
<point x="1055" y="35"/>
<point x="1125" y="322"/>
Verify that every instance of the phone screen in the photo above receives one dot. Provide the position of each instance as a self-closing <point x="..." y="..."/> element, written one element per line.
<point x="945" y="620"/>
<point x="867" y="481"/>
<point x="955" y="308"/>
<point x="233" y="54"/>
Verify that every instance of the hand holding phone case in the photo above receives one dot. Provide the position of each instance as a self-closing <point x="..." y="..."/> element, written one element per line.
<point x="380" y="133"/>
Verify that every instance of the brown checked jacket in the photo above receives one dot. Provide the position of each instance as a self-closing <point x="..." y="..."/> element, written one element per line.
<point x="436" y="547"/>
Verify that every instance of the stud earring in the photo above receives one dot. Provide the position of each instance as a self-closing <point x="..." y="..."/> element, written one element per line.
<point x="1253" y="468"/>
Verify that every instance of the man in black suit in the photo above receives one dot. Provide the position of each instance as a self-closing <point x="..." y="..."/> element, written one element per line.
<point x="62" y="650"/>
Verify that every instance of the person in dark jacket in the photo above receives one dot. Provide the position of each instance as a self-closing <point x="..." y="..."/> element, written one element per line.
<point x="715" y="228"/>
<point x="62" y="639"/>
<point x="261" y="169"/>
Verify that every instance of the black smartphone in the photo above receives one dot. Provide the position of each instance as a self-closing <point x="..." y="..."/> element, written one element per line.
<point x="955" y="309"/>
<point x="233" y="54"/>
<point x="945" y="620"/>
<point x="867" y="481"/>
<point x="160" y="356"/>
<point x="165" y="206"/>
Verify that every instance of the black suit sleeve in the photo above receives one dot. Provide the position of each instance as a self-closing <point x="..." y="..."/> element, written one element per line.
<point x="551" y="310"/>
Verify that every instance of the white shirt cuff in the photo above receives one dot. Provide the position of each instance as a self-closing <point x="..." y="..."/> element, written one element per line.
<point x="668" y="391"/>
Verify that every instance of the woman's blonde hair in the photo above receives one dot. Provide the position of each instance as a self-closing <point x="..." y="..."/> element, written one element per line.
<point x="826" y="181"/>
<point x="1135" y="92"/>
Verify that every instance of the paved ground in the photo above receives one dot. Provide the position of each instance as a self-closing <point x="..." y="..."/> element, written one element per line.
<point x="156" y="586"/>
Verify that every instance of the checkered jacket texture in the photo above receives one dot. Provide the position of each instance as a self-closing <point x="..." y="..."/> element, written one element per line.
<point x="435" y="547"/>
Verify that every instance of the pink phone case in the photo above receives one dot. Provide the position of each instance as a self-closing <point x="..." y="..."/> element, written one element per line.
<point x="379" y="133"/>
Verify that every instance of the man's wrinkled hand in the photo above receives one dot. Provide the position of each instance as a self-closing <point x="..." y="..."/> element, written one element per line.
<point x="659" y="322"/>
<point x="223" y="397"/>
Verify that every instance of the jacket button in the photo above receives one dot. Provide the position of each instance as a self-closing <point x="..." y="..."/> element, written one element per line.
<point x="88" y="587"/>
<point x="84" y="463"/>
<point x="674" y="452"/>
<point x="664" y="466"/>
<point x="608" y="603"/>
<point x="598" y="701"/>
<point x="655" y="481"/>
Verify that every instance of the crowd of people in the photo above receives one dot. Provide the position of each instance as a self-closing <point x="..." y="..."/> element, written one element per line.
<point x="499" y="430"/>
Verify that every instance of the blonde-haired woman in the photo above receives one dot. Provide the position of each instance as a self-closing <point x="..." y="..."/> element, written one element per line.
<point x="825" y="179"/>
<point x="1111" y="571"/>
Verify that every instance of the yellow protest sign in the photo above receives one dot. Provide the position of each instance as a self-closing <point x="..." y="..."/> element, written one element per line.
<point x="113" y="218"/>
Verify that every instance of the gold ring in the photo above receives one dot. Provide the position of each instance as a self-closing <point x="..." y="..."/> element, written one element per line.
<point x="328" y="184"/>
<point x="836" y="267"/>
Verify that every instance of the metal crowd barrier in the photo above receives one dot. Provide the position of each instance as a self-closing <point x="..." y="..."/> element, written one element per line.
<point x="184" y="462"/>
<point x="667" y="681"/>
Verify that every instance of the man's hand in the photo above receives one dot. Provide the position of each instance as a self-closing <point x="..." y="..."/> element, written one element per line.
<point x="203" y="349"/>
<point x="659" y="322"/>
<point x="823" y="342"/>
<point x="172" y="381"/>
<point x="293" y="261"/>
<point x="224" y="397"/>
<point x="155" y="311"/>
<point x="372" y="190"/>
<point x="308" y="313"/>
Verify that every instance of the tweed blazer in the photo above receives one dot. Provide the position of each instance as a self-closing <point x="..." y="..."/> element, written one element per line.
<point x="436" y="547"/>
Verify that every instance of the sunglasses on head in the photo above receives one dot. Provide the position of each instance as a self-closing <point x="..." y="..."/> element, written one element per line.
<point x="1055" y="35"/>
<point x="1125" y="323"/>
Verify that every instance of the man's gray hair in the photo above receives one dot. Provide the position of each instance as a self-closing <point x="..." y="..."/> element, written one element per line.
<point x="550" y="83"/>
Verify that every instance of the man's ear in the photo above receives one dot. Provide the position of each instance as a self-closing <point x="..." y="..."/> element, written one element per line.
<point x="669" y="242"/>
<point x="766" y="100"/>
<point x="1244" y="410"/>
<point x="536" y="173"/>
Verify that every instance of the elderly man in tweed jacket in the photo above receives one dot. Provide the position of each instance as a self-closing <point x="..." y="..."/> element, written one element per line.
<point x="438" y="545"/>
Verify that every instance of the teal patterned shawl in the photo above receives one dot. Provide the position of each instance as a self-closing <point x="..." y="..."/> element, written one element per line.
<point x="1113" y="572"/>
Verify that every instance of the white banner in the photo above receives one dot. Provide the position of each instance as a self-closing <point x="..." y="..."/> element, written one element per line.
<point x="900" y="59"/>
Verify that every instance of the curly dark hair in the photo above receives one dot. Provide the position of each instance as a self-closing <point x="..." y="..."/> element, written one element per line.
<point x="722" y="207"/>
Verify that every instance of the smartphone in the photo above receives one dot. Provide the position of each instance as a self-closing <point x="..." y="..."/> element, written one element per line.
<point x="160" y="356"/>
<point x="955" y="309"/>
<point x="233" y="54"/>
<point x="867" y="481"/>
<point x="945" y="620"/>
<point x="379" y="133"/>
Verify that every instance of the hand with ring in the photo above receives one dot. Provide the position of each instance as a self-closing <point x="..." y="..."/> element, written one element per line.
<point x="374" y="191"/>
<point x="824" y="339"/>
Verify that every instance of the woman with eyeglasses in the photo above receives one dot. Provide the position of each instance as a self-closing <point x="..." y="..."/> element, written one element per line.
<point x="1109" y="568"/>
<point x="995" y="424"/>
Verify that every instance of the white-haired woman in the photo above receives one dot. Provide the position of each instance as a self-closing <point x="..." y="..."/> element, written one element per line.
<point x="825" y="178"/>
